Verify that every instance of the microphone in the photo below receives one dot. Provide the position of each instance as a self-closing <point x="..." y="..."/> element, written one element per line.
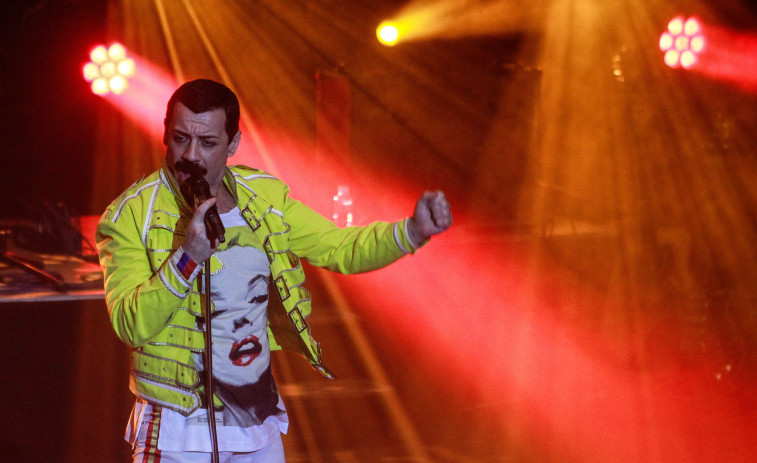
<point x="200" y="189"/>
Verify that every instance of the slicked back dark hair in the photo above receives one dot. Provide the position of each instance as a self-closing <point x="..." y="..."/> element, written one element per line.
<point x="203" y="95"/>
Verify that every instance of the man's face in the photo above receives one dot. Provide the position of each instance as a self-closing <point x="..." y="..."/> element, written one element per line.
<point x="200" y="139"/>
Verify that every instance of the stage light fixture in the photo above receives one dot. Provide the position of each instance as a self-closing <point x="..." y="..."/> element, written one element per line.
<point x="109" y="69"/>
<point x="387" y="33"/>
<point x="99" y="54"/>
<point x="682" y="42"/>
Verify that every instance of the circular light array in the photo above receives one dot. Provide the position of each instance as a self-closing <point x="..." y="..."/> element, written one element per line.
<point x="109" y="69"/>
<point x="682" y="42"/>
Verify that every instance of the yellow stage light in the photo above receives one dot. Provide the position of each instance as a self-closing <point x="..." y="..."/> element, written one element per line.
<point x="99" y="54"/>
<point x="116" y="52"/>
<point x="117" y="85"/>
<point x="387" y="33"/>
<point x="126" y="67"/>
<point x="91" y="71"/>
<point x="100" y="86"/>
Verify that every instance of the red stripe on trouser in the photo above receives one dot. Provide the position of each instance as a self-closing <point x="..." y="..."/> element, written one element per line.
<point x="152" y="454"/>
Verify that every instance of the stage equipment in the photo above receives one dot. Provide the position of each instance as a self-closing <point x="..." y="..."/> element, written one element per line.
<point x="682" y="42"/>
<point x="109" y="69"/>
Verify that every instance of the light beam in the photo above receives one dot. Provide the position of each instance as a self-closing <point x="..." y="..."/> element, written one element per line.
<point x="423" y="20"/>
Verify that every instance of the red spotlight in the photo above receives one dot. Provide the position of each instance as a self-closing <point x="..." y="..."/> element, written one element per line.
<point x="109" y="69"/>
<point x="682" y="42"/>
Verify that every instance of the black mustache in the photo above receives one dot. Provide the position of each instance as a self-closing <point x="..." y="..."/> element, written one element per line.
<point x="191" y="168"/>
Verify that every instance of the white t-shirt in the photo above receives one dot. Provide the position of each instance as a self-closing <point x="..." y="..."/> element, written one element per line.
<point x="253" y="412"/>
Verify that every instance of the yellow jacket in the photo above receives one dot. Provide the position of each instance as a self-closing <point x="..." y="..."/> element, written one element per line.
<point x="153" y="308"/>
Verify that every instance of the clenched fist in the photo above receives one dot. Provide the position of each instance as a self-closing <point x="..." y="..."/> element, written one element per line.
<point x="432" y="216"/>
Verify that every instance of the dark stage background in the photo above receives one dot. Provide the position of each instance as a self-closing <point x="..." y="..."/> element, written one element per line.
<point x="63" y="372"/>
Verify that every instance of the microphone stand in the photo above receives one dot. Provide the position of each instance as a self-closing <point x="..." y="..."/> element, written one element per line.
<point x="208" y="360"/>
<point x="214" y="228"/>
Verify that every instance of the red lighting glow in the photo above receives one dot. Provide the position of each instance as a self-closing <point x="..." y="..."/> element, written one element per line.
<point x="682" y="42"/>
<point x="148" y="90"/>
<point x="724" y="54"/>
<point x="109" y="69"/>
<point x="731" y="56"/>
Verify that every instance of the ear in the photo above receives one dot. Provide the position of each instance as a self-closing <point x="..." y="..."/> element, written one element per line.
<point x="234" y="143"/>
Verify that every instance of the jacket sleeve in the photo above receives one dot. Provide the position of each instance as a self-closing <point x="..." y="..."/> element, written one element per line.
<point x="141" y="300"/>
<point x="345" y="250"/>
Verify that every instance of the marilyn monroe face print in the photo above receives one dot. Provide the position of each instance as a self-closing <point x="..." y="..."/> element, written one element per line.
<point x="241" y="354"/>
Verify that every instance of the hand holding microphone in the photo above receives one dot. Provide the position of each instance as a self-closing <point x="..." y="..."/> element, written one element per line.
<point x="200" y="190"/>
